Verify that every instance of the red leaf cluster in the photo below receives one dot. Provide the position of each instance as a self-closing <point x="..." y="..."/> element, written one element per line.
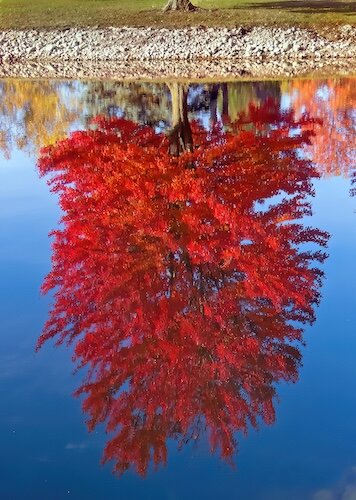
<point x="183" y="282"/>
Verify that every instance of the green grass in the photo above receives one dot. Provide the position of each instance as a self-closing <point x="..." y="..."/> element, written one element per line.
<point x="56" y="13"/>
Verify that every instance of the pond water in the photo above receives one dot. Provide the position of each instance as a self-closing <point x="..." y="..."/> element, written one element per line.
<point x="202" y="278"/>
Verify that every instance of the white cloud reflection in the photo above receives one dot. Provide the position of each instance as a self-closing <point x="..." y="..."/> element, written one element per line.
<point x="344" y="490"/>
<point x="76" y="446"/>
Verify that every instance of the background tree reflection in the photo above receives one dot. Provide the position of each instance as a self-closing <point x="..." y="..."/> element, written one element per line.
<point x="184" y="280"/>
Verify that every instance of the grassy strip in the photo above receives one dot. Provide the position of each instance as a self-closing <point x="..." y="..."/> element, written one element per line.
<point x="60" y="13"/>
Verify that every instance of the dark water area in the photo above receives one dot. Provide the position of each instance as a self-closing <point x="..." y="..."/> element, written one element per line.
<point x="191" y="247"/>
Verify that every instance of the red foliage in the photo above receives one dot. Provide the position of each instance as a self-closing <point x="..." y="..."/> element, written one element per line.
<point x="178" y="282"/>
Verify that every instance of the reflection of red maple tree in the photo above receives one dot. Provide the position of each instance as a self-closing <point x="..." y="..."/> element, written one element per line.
<point x="179" y="284"/>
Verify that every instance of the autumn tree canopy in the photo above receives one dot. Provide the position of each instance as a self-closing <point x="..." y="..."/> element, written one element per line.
<point x="181" y="284"/>
<point x="333" y="102"/>
<point x="33" y="114"/>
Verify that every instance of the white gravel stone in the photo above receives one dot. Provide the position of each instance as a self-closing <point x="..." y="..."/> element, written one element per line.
<point x="283" y="50"/>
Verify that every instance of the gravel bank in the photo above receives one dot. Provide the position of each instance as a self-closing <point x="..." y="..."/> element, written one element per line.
<point x="190" y="52"/>
<point x="224" y="69"/>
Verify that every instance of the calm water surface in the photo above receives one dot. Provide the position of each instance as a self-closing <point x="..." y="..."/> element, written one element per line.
<point x="201" y="276"/>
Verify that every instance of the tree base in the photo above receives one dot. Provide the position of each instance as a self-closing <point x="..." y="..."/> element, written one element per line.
<point x="180" y="5"/>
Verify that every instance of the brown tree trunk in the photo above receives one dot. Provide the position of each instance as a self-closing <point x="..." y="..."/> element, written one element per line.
<point x="180" y="136"/>
<point x="182" y="5"/>
<point x="225" y="105"/>
<point x="214" y="92"/>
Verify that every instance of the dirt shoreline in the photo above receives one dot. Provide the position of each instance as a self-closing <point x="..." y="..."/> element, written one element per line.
<point x="189" y="53"/>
